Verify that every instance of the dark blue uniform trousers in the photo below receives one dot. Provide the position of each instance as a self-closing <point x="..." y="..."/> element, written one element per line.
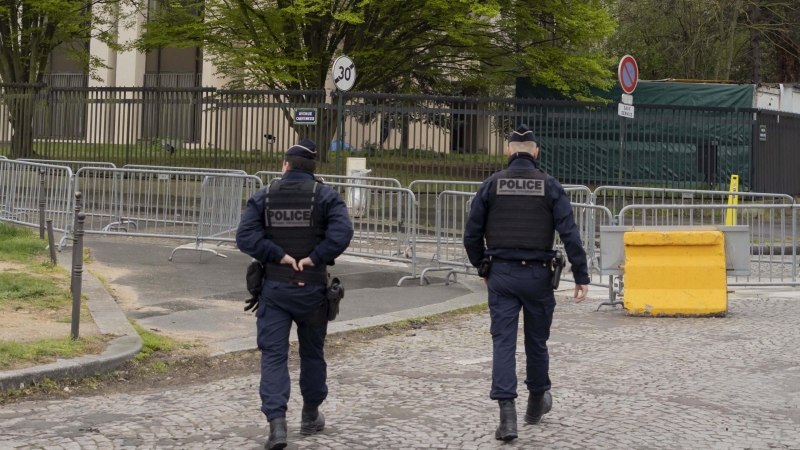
<point x="513" y="287"/>
<point x="280" y="306"/>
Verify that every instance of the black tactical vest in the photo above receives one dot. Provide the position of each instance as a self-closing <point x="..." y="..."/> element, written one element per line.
<point x="520" y="215"/>
<point x="295" y="224"/>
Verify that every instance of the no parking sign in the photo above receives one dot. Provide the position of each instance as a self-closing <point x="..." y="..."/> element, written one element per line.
<point x="628" y="72"/>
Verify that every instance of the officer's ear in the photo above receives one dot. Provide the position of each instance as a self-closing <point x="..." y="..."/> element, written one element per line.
<point x="535" y="150"/>
<point x="285" y="166"/>
<point x="508" y="152"/>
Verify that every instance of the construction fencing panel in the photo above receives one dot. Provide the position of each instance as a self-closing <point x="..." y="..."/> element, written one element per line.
<point x="20" y="188"/>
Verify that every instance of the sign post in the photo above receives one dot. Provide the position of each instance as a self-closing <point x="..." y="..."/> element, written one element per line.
<point x="628" y="73"/>
<point x="344" y="77"/>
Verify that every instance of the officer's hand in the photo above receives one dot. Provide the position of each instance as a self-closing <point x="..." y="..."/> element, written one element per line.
<point x="289" y="261"/>
<point x="581" y="291"/>
<point x="305" y="262"/>
<point x="251" y="304"/>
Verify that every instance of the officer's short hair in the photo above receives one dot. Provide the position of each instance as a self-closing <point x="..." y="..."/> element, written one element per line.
<point x="300" y="163"/>
<point x="524" y="147"/>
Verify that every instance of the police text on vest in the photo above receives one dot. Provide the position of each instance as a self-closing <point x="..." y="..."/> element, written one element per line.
<point x="520" y="186"/>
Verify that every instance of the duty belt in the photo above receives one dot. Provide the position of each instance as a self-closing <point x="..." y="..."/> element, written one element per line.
<point x="521" y="262"/>
<point x="284" y="273"/>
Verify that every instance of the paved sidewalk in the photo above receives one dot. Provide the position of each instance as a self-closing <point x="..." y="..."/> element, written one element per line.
<point x="619" y="382"/>
<point x="200" y="297"/>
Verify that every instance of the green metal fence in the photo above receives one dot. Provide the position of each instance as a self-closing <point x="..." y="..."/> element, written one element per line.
<point x="401" y="136"/>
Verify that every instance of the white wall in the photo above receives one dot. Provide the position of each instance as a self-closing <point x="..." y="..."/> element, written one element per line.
<point x="782" y="97"/>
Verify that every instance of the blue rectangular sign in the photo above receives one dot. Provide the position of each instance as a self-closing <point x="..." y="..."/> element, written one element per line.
<point x="305" y="116"/>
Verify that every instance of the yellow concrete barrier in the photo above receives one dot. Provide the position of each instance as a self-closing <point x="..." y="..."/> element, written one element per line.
<point x="675" y="273"/>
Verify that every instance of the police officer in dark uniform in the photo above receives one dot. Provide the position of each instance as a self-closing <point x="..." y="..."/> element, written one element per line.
<point x="517" y="212"/>
<point x="296" y="227"/>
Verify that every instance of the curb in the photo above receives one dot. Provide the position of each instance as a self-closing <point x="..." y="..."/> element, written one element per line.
<point x="110" y="320"/>
<point x="465" y="301"/>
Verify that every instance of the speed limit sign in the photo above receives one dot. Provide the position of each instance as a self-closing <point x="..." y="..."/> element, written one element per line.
<point x="344" y="73"/>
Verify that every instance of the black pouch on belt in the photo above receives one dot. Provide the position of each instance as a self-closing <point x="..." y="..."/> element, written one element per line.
<point x="335" y="294"/>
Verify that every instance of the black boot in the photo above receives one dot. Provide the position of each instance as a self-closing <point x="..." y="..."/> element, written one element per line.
<point x="538" y="405"/>
<point x="508" y="421"/>
<point x="277" y="434"/>
<point x="312" y="420"/>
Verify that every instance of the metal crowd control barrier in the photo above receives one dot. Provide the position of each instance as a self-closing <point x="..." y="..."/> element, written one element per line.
<point x="617" y="197"/>
<point x="268" y="176"/>
<point x="183" y="169"/>
<point x="74" y="165"/>
<point x="199" y="206"/>
<point x="20" y="189"/>
<point x="427" y="192"/>
<point x="452" y="209"/>
<point x="385" y="228"/>
<point x="773" y="233"/>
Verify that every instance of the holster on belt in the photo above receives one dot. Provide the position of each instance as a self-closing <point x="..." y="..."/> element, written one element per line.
<point x="558" y="266"/>
<point x="335" y="294"/>
<point x="255" y="283"/>
<point x="485" y="268"/>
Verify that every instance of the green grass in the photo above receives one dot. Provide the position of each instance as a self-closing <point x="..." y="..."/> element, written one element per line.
<point x="21" y="291"/>
<point x="14" y="353"/>
<point x="19" y="244"/>
<point x="152" y="342"/>
<point x="39" y="287"/>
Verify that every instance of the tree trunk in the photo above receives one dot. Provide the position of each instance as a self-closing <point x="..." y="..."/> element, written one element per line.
<point x="404" y="135"/>
<point x="20" y="105"/>
<point x="755" y="42"/>
<point x="736" y="7"/>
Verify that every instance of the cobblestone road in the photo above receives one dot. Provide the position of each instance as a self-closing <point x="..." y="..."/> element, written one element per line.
<point x="619" y="383"/>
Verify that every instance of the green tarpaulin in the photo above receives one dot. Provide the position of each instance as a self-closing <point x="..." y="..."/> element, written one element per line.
<point x="676" y="147"/>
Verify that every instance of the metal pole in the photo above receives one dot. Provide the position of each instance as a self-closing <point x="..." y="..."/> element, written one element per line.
<point x="77" y="276"/>
<point x="622" y="131"/>
<point x="41" y="204"/>
<point x="51" y="242"/>
<point x="795" y="209"/>
<point x="75" y="254"/>
<point x="339" y="137"/>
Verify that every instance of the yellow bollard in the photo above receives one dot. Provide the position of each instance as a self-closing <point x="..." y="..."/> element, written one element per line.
<point x="730" y="216"/>
<point x="675" y="273"/>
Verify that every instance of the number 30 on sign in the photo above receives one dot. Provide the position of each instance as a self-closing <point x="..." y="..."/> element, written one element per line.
<point x="344" y="73"/>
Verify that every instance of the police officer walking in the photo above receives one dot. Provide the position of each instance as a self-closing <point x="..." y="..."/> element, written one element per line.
<point x="517" y="211"/>
<point x="296" y="227"/>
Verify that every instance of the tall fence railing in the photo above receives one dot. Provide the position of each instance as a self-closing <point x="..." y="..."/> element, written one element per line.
<point x="406" y="137"/>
